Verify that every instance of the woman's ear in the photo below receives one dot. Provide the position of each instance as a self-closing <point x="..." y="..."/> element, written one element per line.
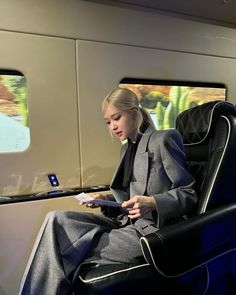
<point x="133" y="113"/>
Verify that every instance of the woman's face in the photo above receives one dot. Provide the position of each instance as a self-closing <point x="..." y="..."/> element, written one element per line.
<point x="120" y="123"/>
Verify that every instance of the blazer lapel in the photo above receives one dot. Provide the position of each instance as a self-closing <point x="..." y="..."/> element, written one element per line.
<point x="141" y="163"/>
<point x="142" y="147"/>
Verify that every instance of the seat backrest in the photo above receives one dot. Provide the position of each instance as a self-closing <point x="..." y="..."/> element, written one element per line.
<point x="209" y="137"/>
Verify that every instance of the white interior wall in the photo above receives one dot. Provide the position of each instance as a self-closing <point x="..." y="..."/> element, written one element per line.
<point x="102" y="66"/>
<point x="48" y="64"/>
<point x="175" y="49"/>
<point x="79" y="19"/>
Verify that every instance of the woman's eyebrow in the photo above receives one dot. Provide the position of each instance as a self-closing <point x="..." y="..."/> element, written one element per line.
<point x="113" y="115"/>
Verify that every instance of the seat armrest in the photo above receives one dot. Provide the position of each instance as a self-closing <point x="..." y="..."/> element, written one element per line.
<point x="181" y="247"/>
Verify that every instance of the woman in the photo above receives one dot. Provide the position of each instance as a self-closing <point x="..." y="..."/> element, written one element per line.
<point x="152" y="184"/>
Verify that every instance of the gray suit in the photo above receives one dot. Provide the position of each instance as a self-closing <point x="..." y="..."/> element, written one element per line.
<point x="68" y="239"/>
<point x="160" y="171"/>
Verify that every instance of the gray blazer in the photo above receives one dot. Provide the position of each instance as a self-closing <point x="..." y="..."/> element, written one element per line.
<point x="160" y="171"/>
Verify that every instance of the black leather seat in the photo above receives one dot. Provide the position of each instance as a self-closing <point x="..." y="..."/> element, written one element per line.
<point x="183" y="258"/>
<point x="199" y="253"/>
<point x="209" y="136"/>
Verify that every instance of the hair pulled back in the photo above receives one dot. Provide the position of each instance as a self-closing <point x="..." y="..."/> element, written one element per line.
<point x="126" y="100"/>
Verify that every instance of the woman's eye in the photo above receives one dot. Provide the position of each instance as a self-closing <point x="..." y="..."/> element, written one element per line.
<point x="117" y="118"/>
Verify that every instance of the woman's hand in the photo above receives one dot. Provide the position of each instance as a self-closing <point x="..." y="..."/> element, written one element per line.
<point x="94" y="196"/>
<point x="138" y="206"/>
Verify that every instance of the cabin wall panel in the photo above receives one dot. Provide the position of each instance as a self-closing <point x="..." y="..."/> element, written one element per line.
<point x="101" y="67"/>
<point x="48" y="64"/>
<point x="87" y="20"/>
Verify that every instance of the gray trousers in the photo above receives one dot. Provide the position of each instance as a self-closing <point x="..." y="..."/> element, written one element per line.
<point x="66" y="240"/>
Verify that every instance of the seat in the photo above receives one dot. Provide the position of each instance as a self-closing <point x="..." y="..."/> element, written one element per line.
<point x="209" y="137"/>
<point x="199" y="254"/>
<point x="179" y="258"/>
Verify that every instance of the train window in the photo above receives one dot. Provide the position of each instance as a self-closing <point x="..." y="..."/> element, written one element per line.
<point x="164" y="100"/>
<point x="14" y="120"/>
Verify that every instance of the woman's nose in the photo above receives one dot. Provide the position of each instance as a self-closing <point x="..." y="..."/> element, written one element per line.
<point x="113" y="126"/>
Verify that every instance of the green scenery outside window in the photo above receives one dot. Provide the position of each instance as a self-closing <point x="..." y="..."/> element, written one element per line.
<point x="14" y="120"/>
<point x="164" y="100"/>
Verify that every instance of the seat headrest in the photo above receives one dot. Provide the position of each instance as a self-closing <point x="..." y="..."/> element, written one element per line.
<point x="194" y="124"/>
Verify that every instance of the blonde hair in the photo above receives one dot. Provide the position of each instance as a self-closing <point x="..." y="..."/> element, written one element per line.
<point x="126" y="100"/>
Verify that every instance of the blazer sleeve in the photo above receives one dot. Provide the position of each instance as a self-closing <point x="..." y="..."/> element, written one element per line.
<point x="181" y="199"/>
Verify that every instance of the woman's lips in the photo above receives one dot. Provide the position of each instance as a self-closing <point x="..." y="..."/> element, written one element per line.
<point x="119" y="134"/>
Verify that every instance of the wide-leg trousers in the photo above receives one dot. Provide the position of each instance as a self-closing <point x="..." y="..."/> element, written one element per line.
<point x="67" y="239"/>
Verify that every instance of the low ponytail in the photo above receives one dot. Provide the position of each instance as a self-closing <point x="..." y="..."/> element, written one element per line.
<point x="147" y="120"/>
